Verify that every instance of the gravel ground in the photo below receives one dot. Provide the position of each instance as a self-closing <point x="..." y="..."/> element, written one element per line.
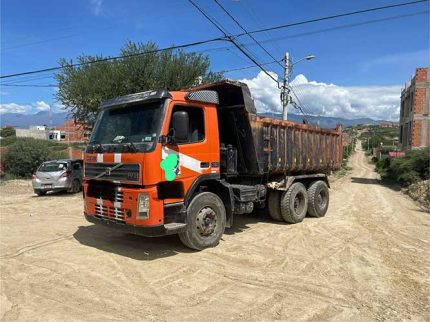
<point x="368" y="259"/>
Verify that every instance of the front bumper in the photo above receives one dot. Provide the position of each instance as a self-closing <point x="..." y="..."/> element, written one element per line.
<point x="147" y="231"/>
<point x="116" y="206"/>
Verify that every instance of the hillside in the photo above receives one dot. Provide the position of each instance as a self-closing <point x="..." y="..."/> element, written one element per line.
<point x="53" y="119"/>
<point x="25" y="120"/>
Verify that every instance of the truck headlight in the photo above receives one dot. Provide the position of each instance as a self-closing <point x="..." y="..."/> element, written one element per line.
<point x="143" y="206"/>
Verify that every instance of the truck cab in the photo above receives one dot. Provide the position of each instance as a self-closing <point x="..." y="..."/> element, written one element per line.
<point x="161" y="162"/>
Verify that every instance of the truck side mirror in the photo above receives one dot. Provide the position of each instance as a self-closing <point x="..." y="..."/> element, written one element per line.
<point x="180" y="125"/>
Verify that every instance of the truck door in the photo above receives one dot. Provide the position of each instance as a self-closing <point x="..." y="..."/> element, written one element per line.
<point x="193" y="152"/>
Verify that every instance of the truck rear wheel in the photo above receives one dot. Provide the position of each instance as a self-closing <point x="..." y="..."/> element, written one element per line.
<point x="274" y="205"/>
<point x="294" y="203"/>
<point x="318" y="196"/>
<point x="206" y="222"/>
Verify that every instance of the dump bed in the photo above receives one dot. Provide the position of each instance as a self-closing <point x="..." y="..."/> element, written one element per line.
<point x="268" y="146"/>
<point x="290" y="147"/>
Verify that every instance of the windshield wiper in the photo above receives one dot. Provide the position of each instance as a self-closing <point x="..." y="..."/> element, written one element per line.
<point x="121" y="138"/>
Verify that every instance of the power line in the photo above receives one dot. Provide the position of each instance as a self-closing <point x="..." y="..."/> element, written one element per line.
<point x="307" y="33"/>
<point x="219" y="38"/>
<point x="333" y="17"/>
<point x="243" y="29"/>
<point x="231" y="39"/>
<point x="30" y="85"/>
<point x="116" y="57"/>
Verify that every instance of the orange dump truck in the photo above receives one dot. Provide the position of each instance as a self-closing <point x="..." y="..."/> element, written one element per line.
<point x="185" y="162"/>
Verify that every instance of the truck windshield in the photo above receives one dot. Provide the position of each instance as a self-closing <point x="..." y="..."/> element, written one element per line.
<point x="137" y="124"/>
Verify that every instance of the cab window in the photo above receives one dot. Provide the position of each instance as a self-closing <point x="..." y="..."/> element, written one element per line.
<point x="196" y="132"/>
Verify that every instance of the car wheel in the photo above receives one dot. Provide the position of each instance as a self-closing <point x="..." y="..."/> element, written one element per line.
<point x="76" y="186"/>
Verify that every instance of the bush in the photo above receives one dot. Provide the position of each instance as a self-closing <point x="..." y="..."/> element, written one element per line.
<point x="409" y="169"/>
<point x="24" y="156"/>
<point x="7" y="131"/>
<point x="8" y="140"/>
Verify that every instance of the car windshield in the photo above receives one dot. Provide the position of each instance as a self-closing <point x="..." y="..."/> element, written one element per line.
<point x="53" y="167"/>
<point x="138" y="124"/>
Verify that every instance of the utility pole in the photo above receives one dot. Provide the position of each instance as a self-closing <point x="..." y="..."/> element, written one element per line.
<point x="285" y="94"/>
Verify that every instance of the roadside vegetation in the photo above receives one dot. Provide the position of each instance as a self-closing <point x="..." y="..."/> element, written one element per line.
<point x="374" y="136"/>
<point x="24" y="155"/>
<point x="411" y="168"/>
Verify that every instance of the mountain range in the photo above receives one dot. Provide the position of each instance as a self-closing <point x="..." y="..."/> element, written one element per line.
<point x="53" y="119"/>
<point x="41" y="118"/>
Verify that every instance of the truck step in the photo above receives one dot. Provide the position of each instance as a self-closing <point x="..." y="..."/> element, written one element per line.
<point x="175" y="226"/>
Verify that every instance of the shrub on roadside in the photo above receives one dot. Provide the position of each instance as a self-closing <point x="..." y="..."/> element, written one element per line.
<point x="407" y="170"/>
<point x="7" y="131"/>
<point x="24" y="156"/>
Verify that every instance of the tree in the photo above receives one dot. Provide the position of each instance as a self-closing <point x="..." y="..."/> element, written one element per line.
<point x="7" y="131"/>
<point x="23" y="157"/>
<point x="82" y="88"/>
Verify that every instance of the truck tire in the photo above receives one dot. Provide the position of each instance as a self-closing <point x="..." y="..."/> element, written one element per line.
<point x="274" y="205"/>
<point x="206" y="222"/>
<point x="294" y="203"/>
<point x="318" y="199"/>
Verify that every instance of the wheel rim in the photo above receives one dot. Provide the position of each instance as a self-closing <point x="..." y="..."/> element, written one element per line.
<point x="299" y="203"/>
<point x="206" y="221"/>
<point x="322" y="199"/>
<point x="75" y="186"/>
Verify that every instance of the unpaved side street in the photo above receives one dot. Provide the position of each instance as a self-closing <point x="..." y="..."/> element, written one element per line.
<point x="368" y="259"/>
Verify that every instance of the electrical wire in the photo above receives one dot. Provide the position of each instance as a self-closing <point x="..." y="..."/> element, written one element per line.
<point x="232" y="40"/>
<point x="243" y="29"/>
<point x="333" y="17"/>
<point x="116" y="57"/>
<point x="220" y="38"/>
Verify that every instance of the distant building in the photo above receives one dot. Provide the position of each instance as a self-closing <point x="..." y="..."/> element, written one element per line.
<point x="388" y="124"/>
<point x="71" y="132"/>
<point x="414" y="112"/>
<point x="34" y="131"/>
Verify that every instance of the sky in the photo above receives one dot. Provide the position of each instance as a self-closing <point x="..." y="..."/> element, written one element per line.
<point x="362" y="62"/>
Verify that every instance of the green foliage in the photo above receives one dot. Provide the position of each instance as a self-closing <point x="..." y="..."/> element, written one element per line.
<point x="84" y="87"/>
<point x="409" y="169"/>
<point x="24" y="156"/>
<point x="7" y="140"/>
<point x="377" y="135"/>
<point x="348" y="150"/>
<point x="7" y="131"/>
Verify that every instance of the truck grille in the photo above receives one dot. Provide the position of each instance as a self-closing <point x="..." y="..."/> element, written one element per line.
<point x="105" y="191"/>
<point x="111" y="213"/>
<point x="128" y="172"/>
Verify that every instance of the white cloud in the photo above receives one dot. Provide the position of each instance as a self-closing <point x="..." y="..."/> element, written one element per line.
<point x="42" y="106"/>
<point x="377" y="102"/>
<point x="13" y="108"/>
<point x="97" y="6"/>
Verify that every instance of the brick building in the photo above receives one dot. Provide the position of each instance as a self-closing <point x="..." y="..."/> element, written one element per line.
<point x="414" y="112"/>
<point x="72" y="132"/>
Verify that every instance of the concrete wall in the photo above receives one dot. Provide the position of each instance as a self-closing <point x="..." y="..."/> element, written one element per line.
<point x="32" y="133"/>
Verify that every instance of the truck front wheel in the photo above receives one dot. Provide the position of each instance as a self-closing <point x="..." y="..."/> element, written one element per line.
<point x="294" y="203"/>
<point x="206" y="222"/>
<point x="318" y="196"/>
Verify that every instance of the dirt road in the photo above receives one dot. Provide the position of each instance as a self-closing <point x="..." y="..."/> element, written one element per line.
<point x="368" y="259"/>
